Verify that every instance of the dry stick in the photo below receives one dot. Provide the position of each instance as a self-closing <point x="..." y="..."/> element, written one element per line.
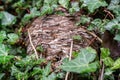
<point x="70" y="55"/>
<point x="32" y="44"/>
<point x="94" y="35"/>
<point x="102" y="72"/>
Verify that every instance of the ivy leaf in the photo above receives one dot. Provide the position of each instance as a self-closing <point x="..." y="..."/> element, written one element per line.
<point x="64" y="3"/>
<point x="116" y="64"/>
<point x="29" y="61"/>
<point x="4" y="57"/>
<point x="83" y="62"/>
<point x="36" y="70"/>
<point x="33" y="13"/>
<point x="112" y="24"/>
<point x="13" y="38"/>
<point x="108" y="61"/>
<point x="46" y="71"/>
<point x="1" y="15"/>
<point x="2" y="36"/>
<point x="46" y="9"/>
<point x="18" y="74"/>
<point x="52" y="76"/>
<point x="3" y="50"/>
<point x="115" y="7"/>
<point x="108" y="71"/>
<point x="75" y="7"/>
<point x="117" y="37"/>
<point x="84" y="20"/>
<point x="105" y="57"/>
<point x="93" y="4"/>
<point x="104" y="53"/>
<point x="2" y="75"/>
<point x="8" y="19"/>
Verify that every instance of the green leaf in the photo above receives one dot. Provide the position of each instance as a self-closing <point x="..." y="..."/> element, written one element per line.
<point x="75" y="7"/>
<point x="2" y="36"/>
<point x="2" y="75"/>
<point x="115" y="7"/>
<point x="104" y="53"/>
<point x="1" y="15"/>
<point x="117" y="37"/>
<point x="3" y="50"/>
<point x="113" y="24"/>
<point x="83" y="62"/>
<point x="6" y="59"/>
<point x="29" y="61"/>
<point x="46" y="71"/>
<point x="108" y="71"/>
<point x="77" y="37"/>
<point x="64" y="3"/>
<point x="83" y="20"/>
<point x="93" y="4"/>
<point x="12" y="38"/>
<point x="8" y="19"/>
<point x="36" y="70"/>
<point x="108" y="61"/>
<point x="46" y="9"/>
<point x="40" y="48"/>
<point x="52" y="76"/>
<point x="116" y="64"/>
<point x="18" y="74"/>
<point x="33" y="13"/>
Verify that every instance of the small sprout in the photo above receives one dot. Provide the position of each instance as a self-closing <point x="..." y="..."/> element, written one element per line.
<point x="77" y="37"/>
<point x="40" y="48"/>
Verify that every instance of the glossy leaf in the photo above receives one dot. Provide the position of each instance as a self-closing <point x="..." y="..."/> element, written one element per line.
<point x="64" y="3"/>
<point x="104" y="53"/>
<point x="6" y="59"/>
<point x="33" y="13"/>
<point x="112" y="24"/>
<point x="92" y="5"/>
<point x="46" y="71"/>
<point x="115" y="7"/>
<point x="108" y="61"/>
<point x="116" y="64"/>
<point x="117" y="37"/>
<point x="1" y="75"/>
<point x="2" y="36"/>
<point x="3" y="50"/>
<point x="18" y="74"/>
<point x="83" y="62"/>
<point x="75" y="7"/>
<point x="8" y="19"/>
<point x="12" y="38"/>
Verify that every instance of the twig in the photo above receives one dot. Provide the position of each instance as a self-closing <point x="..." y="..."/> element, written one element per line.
<point x="94" y="35"/>
<point x="70" y="55"/>
<point x="109" y="13"/>
<point x="102" y="72"/>
<point x="35" y="51"/>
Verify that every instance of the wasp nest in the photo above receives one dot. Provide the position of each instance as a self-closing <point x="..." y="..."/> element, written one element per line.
<point x="54" y="33"/>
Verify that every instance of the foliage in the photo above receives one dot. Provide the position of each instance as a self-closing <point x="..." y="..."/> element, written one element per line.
<point x="15" y="14"/>
<point x="93" y="4"/>
<point x="83" y="62"/>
